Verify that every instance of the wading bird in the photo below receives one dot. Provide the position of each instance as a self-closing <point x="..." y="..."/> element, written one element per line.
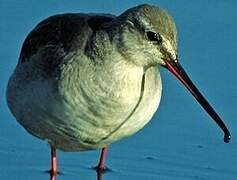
<point x="84" y="81"/>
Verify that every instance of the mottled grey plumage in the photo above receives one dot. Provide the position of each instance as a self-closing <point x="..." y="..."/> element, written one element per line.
<point x="59" y="35"/>
<point x="84" y="81"/>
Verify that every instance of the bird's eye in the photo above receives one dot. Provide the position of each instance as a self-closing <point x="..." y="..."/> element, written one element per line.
<point x="152" y="36"/>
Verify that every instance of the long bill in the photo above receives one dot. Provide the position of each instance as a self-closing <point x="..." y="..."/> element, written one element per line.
<point x="176" y="69"/>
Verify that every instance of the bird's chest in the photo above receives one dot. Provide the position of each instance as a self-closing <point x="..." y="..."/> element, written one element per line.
<point x="112" y="101"/>
<point x="103" y="94"/>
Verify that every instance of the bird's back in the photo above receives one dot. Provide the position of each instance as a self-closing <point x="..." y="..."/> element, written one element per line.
<point x="59" y="35"/>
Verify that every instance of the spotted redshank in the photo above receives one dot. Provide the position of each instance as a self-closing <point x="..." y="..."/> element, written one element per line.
<point x="84" y="81"/>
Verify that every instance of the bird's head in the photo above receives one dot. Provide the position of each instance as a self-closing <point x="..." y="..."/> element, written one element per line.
<point x="146" y="36"/>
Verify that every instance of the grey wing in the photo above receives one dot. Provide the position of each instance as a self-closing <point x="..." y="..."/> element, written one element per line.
<point x="56" y="36"/>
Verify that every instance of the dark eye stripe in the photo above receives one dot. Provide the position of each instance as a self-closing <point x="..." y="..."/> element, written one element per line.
<point x="152" y="36"/>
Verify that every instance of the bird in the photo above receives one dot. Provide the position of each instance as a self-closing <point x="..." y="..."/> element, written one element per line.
<point x="84" y="81"/>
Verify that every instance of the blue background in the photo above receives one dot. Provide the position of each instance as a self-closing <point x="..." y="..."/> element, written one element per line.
<point x="181" y="142"/>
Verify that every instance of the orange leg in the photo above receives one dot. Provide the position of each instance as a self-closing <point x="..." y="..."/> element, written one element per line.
<point x="54" y="167"/>
<point x="101" y="165"/>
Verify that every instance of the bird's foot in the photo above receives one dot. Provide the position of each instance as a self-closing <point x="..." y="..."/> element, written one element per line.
<point x="53" y="172"/>
<point x="102" y="169"/>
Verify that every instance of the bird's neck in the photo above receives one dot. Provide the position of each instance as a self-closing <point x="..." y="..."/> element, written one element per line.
<point x="99" y="47"/>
